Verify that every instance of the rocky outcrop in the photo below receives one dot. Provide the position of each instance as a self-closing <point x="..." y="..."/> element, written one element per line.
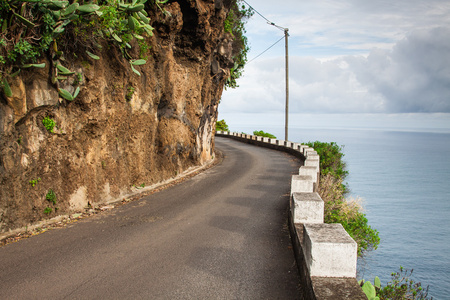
<point x="123" y="130"/>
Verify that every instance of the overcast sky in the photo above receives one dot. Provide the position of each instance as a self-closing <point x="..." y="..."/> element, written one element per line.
<point x="347" y="56"/>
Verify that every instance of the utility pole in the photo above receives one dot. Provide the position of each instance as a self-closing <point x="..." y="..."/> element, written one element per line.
<point x="286" y="35"/>
<point x="286" y="126"/>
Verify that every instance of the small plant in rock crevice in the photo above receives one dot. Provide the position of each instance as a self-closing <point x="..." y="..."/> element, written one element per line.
<point x="51" y="196"/>
<point x="49" y="124"/>
<point x="34" y="182"/>
<point x="130" y="93"/>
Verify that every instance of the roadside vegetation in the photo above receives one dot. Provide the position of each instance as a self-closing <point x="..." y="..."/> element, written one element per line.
<point x="349" y="212"/>
<point x="338" y="207"/>
<point x="264" y="134"/>
<point x="222" y="126"/>
<point x="400" y="287"/>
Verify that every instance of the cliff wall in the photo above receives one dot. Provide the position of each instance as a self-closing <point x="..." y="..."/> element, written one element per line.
<point x="122" y="130"/>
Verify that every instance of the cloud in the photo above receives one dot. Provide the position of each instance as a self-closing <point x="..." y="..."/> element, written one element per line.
<point x="327" y="28"/>
<point x="414" y="76"/>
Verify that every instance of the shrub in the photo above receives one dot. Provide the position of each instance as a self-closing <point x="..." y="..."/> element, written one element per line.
<point x="222" y="126"/>
<point x="264" y="134"/>
<point x="330" y="158"/>
<point x="400" y="287"/>
<point x="338" y="209"/>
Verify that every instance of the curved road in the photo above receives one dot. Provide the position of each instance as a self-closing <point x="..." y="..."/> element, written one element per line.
<point x="220" y="235"/>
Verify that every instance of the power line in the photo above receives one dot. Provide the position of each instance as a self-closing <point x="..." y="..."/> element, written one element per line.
<point x="267" y="20"/>
<point x="266" y="50"/>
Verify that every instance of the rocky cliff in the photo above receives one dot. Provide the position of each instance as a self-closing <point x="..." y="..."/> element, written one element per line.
<point x="122" y="130"/>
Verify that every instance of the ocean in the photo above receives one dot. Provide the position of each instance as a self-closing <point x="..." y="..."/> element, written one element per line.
<point x="404" y="179"/>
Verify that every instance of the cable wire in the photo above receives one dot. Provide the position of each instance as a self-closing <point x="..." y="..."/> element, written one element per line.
<point x="265" y="50"/>
<point x="267" y="20"/>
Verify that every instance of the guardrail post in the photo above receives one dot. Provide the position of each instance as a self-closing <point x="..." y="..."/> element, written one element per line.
<point x="329" y="250"/>
<point x="308" y="208"/>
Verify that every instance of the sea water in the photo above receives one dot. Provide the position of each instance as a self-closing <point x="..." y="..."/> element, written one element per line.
<point x="404" y="179"/>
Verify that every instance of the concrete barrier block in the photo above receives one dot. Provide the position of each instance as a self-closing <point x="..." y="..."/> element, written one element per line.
<point x="312" y="171"/>
<point x="306" y="149"/>
<point x="309" y="162"/>
<point x="280" y="142"/>
<point x="302" y="184"/>
<point x="288" y="144"/>
<point x="308" y="208"/>
<point x="273" y="141"/>
<point x="296" y="146"/>
<point x="309" y="152"/>
<point x="329" y="250"/>
<point x="313" y="156"/>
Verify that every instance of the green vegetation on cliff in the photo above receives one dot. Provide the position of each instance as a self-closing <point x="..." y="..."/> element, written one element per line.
<point x="234" y="25"/>
<point x="338" y="209"/>
<point x="33" y="28"/>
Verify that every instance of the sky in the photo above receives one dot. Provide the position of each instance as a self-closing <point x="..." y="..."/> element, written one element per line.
<point x="367" y="62"/>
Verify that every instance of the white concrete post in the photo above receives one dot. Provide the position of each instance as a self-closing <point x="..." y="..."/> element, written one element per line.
<point x="312" y="171"/>
<point x="329" y="250"/>
<point x="308" y="208"/>
<point x="302" y="184"/>
<point x="309" y="162"/>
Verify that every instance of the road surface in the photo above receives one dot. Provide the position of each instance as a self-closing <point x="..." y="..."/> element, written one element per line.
<point x="219" y="235"/>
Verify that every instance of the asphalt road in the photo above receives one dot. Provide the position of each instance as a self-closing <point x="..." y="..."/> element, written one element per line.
<point x="220" y="235"/>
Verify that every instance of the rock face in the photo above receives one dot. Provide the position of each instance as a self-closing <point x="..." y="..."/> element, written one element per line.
<point x="123" y="130"/>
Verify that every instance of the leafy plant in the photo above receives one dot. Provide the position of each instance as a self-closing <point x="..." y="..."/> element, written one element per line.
<point x="31" y="28"/>
<point x="400" y="287"/>
<point x="222" y="126"/>
<point x="33" y="182"/>
<point x="49" y="124"/>
<point x="264" y="134"/>
<point x="51" y="196"/>
<point x="130" y="92"/>
<point x="48" y="210"/>
<point x="371" y="290"/>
